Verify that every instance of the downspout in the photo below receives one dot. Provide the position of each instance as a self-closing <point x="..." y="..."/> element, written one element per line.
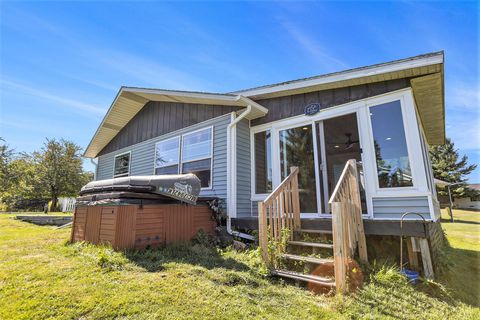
<point x="232" y="172"/>
<point x="95" y="170"/>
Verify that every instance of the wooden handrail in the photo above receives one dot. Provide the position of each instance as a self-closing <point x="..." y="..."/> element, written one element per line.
<point x="347" y="223"/>
<point x="280" y="211"/>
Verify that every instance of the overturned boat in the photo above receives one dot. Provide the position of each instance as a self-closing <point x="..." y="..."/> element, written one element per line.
<point x="180" y="187"/>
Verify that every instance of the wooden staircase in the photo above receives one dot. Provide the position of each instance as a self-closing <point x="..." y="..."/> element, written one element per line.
<point x="286" y="247"/>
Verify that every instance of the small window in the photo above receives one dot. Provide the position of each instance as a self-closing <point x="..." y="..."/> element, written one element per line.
<point x="122" y="165"/>
<point x="393" y="164"/>
<point x="167" y="154"/>
<point x="263" y="162"/>
<point x="197" y="155"/>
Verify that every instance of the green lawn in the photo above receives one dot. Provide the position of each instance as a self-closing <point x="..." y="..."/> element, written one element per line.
<point x="42" y="276"/>
<point x="463" y="256"/>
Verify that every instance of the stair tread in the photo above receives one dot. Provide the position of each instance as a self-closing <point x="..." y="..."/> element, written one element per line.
<point x="323" y="231"/>
<point x="304" y="258"/>
<point x="311" y="244"/>
<point x="304" y="277"/>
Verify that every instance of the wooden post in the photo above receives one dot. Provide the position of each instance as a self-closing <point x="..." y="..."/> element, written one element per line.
<point x="295" y="200"/>
<point x="412" y="255"/>
<point x="362" y="243"/>
<point x="426" y="258"/>
<point x="338" y="247"/>
<point x="263" y="232"/>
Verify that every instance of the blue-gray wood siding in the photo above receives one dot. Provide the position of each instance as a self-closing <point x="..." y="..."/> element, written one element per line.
<point x="244" y="167"/>
<point x="395" y="207"/>
<point x="143" y="154"/>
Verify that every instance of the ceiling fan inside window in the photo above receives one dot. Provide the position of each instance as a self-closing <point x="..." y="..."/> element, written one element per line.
<point x="346" y="144"/>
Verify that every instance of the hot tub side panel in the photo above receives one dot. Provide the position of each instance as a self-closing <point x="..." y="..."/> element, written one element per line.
<point x="132" y="226"/>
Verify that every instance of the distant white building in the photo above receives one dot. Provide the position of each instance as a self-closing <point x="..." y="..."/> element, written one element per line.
<point x="469" y="202"/>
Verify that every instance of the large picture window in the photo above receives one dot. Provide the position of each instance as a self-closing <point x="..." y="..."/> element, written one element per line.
<point x="121" y="165"/>
<point x="263" y="162"/>
<point x="167" y="155"/>
<point x="197" y="155"/>
<point x="393" y="164"/>
<point x="190" y="153"/>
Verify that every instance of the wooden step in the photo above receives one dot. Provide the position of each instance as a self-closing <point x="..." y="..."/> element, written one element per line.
<point x="314" y="231"/>
<point x="306" y="259"/>
<point x="311" y="244"/>
<point x="305" y="277"/>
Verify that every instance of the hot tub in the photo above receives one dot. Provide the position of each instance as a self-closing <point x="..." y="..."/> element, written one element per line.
<point x="143" y="211"/>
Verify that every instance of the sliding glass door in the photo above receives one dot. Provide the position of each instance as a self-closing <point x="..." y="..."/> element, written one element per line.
<point x="341" y="143"/>
<point x="296" y="149"/>
<point x="320" y="149"/>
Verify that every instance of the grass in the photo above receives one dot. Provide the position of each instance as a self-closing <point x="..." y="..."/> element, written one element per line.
<point x="462" y="256"/>
<point x="36" y="213"/>
<point x="42" y="276"/>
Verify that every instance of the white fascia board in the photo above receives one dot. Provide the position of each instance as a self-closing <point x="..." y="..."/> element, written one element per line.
<point x="347" y="75"/>
<point x="187" y="94"/>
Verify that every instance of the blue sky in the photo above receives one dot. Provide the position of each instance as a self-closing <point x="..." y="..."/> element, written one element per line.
<point x="63" y="62"/>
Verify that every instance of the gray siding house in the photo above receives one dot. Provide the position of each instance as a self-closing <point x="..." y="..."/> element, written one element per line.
<point x="242" y="144"/>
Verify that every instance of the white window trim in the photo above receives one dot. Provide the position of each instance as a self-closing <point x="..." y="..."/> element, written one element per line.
<point x="412" y="140"/>
<point x="129" y="164"/>
<point x="180" y="152"/>
<point x="257" y="196"/>
<point x="180" y="167"/>
<point x="155" y="167"/>
<point x="361" y="108"/>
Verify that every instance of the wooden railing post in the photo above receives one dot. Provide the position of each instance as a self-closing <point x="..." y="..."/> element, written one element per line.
<point x="263" y="232"/>
<point x="362" y="243"/>
<point x="339" y="253"/>
<point x="295" y="199"/>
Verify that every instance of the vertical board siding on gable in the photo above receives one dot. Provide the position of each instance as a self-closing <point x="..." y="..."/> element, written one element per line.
<point x="159" y="118"/>
<point x="143" y="154"/>
<point x="294" y="105"/>
<point x="395" y="207"/>
<point x="244" y="168"/>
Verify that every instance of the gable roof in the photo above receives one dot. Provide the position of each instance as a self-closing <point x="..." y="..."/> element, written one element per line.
<point x="425" y="72"/>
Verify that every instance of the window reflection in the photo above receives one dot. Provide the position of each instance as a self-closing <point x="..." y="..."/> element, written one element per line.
<point x="296" y="149"/>
<point x="263" y="162"/>
<point x="393" y="164"/>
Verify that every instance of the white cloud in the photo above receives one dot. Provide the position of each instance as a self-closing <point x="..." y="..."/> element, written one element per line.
<point x="75" y="104"/>
<point x="312" y="47"/>
<point x="463" y="95"/>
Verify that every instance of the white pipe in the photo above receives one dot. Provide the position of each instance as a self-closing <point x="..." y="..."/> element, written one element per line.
<point x="94" y="171"/>
<point x="232" y="172"/>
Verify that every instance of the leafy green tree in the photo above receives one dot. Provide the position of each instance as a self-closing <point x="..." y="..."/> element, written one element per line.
<point x="450" y="167"/>
<point x="6" y="156"/>
<point x="59" y="169"/>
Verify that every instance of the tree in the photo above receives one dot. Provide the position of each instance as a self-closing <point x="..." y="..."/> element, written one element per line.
<point x="6" y="156"/>
<point x="450" y="167"/>
<point x="59" y="169"/>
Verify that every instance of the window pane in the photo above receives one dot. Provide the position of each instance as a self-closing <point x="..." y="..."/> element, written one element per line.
<point x="263" y="162"/>
<point x="167" y="170"/>
<point x="197" y="145"/>
<point x="296" y="149"/>
<point x="202" y="169"/>
<point x="122" y="164"/>
<point x="167" y="153"/>
<point x="393" y="165"/>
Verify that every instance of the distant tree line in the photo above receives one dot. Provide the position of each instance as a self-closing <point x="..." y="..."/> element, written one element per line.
<point x="49" y="173"/>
